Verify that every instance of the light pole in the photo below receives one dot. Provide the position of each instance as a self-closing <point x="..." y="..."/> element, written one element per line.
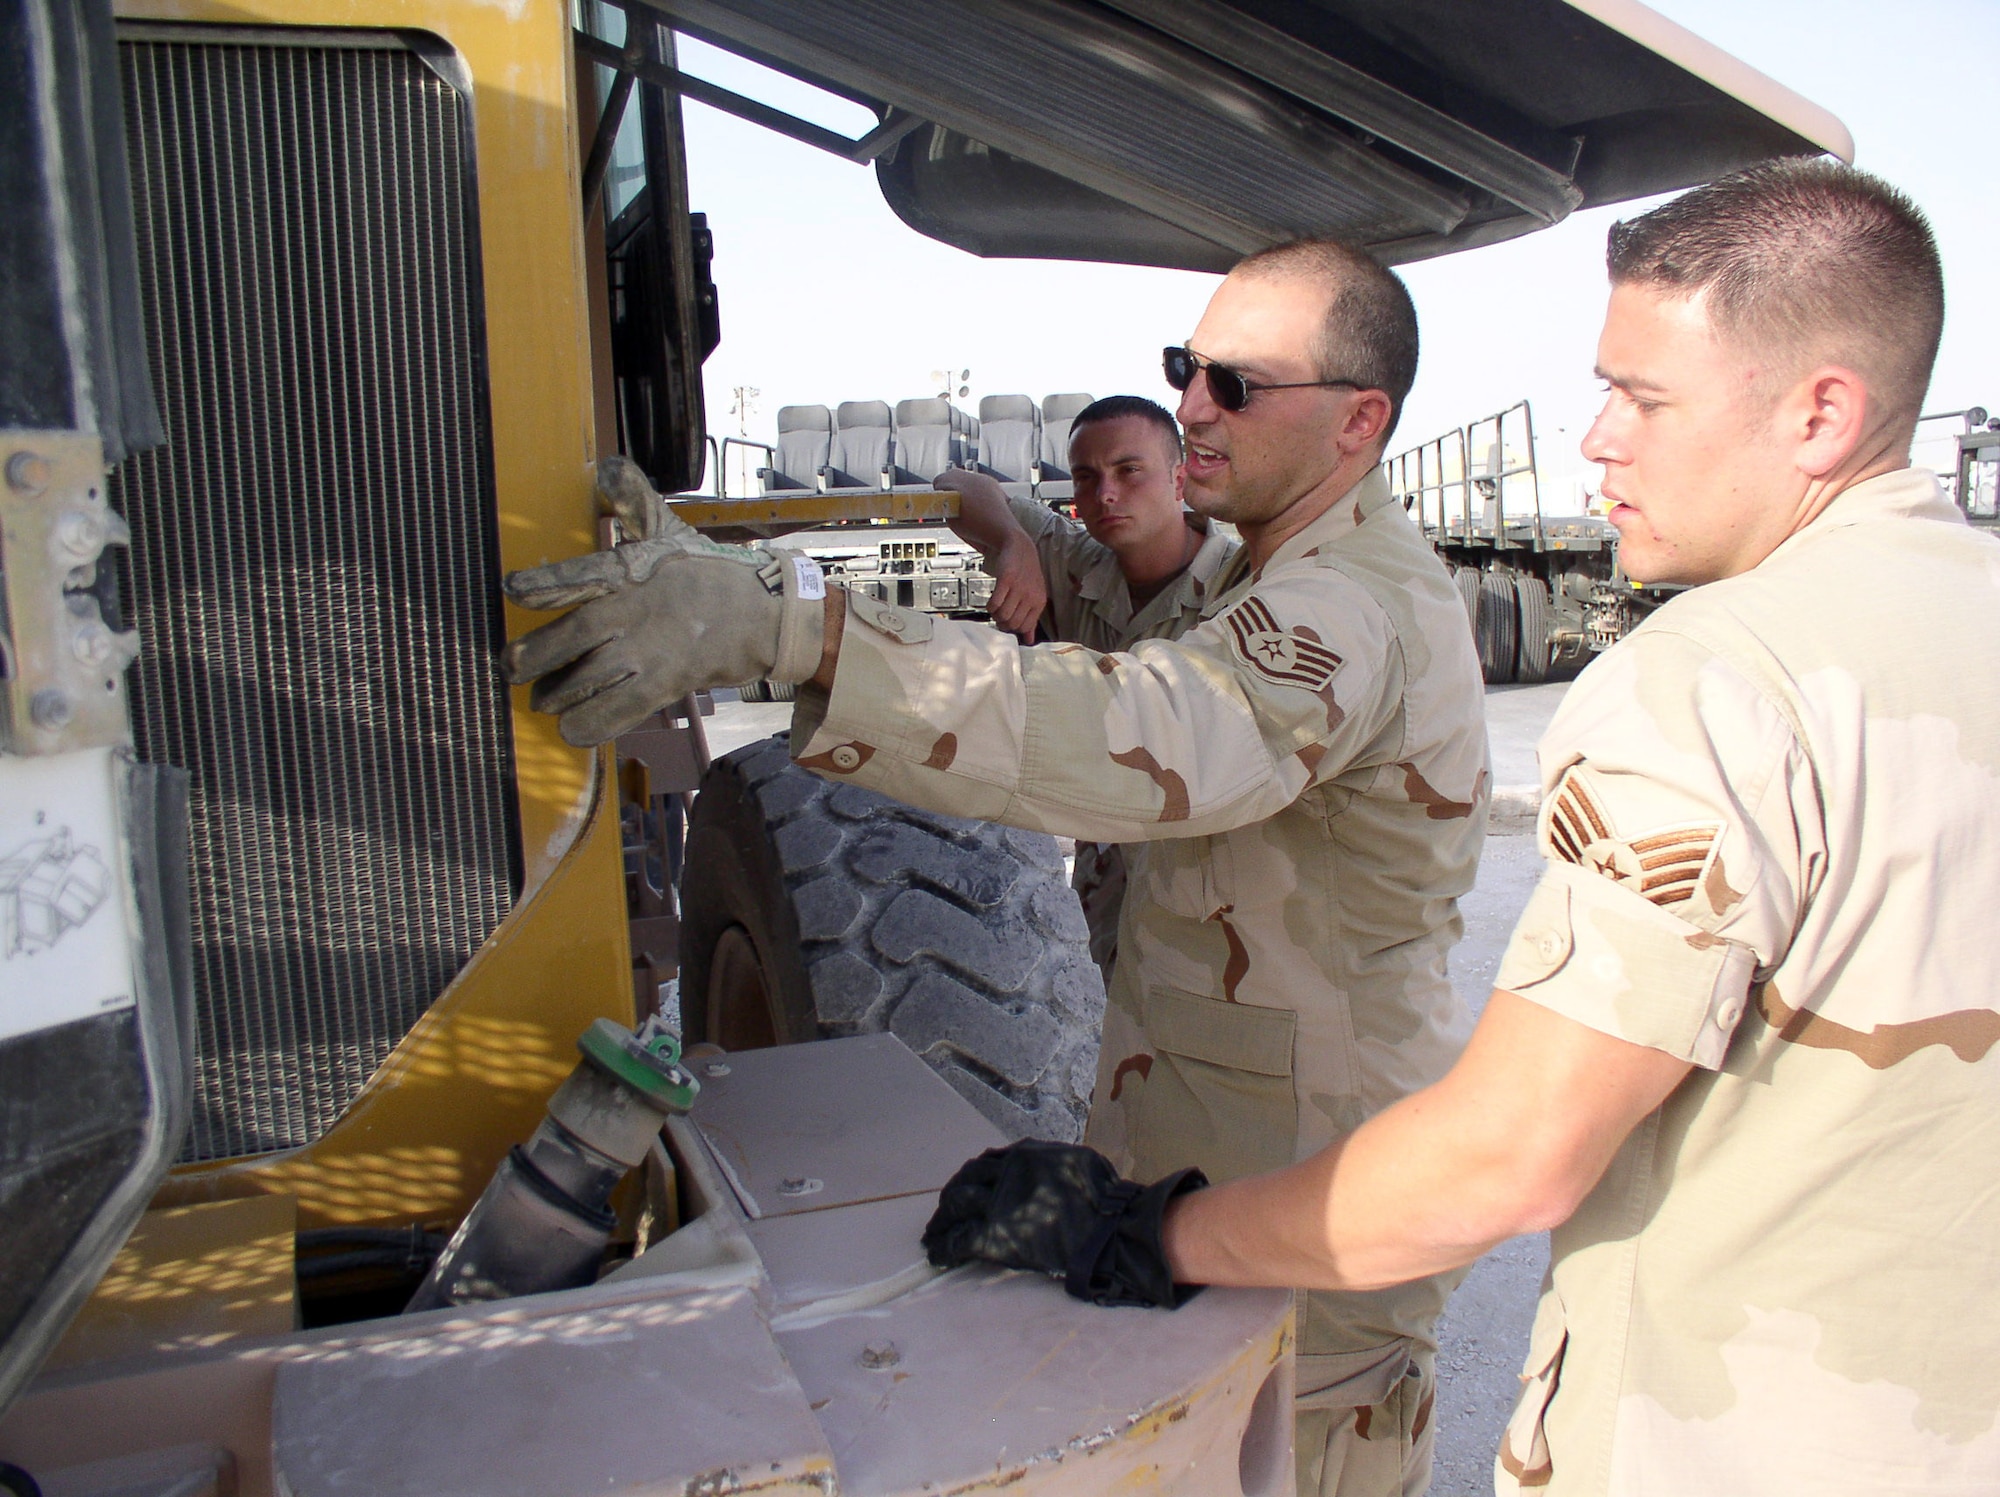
<point x="743" y="401"/>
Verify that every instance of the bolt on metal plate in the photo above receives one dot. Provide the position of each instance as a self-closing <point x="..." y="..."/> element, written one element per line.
<point x="64" y="682"/>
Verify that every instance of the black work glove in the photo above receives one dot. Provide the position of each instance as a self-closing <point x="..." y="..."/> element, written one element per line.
<point x="1061" y="1209"/>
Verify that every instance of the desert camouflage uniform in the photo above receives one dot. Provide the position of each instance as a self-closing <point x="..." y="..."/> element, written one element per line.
<point x="1091" y="605"/>
<point x="1306" y="769"/>
<point x="1773" y="831"/>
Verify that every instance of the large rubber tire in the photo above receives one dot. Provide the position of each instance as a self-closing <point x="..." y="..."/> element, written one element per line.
<point x="814" y="909"/>
<point x="1536" y="648"/>
<point x="1498" y="629"/>
<point x="1467" y="580"/>
<point x="754" y="691"/>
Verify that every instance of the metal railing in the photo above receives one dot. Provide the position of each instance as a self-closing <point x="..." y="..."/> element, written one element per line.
<point x="722" y="464"/>
<point x="1459" y="485"/>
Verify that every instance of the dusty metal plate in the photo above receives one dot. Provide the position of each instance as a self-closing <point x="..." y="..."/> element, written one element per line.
<point x="678" y="1394"/>
<point x="815" y="1255"/>
<point x="807" y="1127"/>
<point x="985" y="1379"/>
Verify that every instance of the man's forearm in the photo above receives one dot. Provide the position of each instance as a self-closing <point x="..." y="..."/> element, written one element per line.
<point x="1393" y="1201"/>
<point x="985" y="522"/>
<point x="1509" y="1142"/>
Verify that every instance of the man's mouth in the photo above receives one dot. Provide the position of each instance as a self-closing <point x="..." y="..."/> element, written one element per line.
<point x="1203" y="459"/>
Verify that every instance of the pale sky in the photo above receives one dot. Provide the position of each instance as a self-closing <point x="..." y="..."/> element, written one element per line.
<point x="826" y="295"/>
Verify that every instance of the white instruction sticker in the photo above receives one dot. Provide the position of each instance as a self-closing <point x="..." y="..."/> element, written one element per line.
<point x="65" y="950"/>
<point x="812" y="581"/>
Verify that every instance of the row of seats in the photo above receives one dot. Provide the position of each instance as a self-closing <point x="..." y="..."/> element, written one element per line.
<point x="865" y="447"/>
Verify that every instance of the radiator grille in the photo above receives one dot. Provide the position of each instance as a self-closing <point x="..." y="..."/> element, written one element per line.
<point x="313" y="562"/>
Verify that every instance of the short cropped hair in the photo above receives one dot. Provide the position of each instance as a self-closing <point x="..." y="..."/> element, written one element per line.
<point x="1803" y="261"/>
<point x="1114" y="407"/>
<point x="1370" y="332"/>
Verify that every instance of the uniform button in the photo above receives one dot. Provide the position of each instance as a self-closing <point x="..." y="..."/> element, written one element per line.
<point x="1549" y="945"/>
<point x="846" y="757"/>
<point x="1728" y="1014"/>
<point x="892" y="623"/>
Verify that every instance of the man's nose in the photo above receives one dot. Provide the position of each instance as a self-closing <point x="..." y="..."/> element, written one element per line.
<point x="1600" y="444"/>
<point x="1196" y="405"/>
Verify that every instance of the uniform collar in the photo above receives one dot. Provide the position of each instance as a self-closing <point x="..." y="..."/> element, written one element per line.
<point x="1105" y="581"/>
<point x="1906" y="494"/>
<point x="1339" y="520"/>
<point x="1196" y="585"/>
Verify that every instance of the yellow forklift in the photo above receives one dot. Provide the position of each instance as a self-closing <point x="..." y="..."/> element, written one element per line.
<point x="345" y="1143"/>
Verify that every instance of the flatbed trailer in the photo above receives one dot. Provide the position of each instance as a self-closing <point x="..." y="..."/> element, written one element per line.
<point x="1543" y="593"/>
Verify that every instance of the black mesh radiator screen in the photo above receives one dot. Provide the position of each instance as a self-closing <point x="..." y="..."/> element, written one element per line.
<point x="313" y="567"/>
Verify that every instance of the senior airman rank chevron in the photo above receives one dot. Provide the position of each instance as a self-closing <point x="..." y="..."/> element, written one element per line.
<point x="1271" y="651"/>
<point x="1665" y="865"/>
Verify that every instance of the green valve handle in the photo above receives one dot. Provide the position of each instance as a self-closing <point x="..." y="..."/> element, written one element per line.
<point x="649" y="1064"/>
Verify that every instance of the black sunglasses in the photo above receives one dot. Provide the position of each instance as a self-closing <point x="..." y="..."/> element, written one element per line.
<point x="1231" y="390"/>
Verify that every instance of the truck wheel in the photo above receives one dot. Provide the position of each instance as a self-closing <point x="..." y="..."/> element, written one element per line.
<point x="1536" y="648"/>
<point x="754" y="691"/>
<point x="813" y="909"/>
<point x="1498" y="628"/>
<point x="1468" y="582"/>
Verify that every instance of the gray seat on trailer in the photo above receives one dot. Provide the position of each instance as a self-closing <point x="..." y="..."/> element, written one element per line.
<point x="1010" y="434"/>
<point x="1052" y="480"/>
<point x="805" y="444"/>
<point x="863" y="440"/>
<point x="965" y="438"/>
<point x="927" y="442"/>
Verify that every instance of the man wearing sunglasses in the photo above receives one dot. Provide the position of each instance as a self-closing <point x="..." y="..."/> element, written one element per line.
<point x="1132" y="565"/>
<point x="1300" y="777"/>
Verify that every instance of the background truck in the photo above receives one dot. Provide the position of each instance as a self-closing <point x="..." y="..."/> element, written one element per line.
<point x="1543" y="593"/>
<point x="314" y="315"/>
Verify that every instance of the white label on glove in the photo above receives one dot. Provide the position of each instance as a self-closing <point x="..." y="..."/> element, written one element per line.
<point x="811" y="580"/>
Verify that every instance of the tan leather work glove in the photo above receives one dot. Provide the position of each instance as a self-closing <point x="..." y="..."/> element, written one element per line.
<point x="660" y="615"/>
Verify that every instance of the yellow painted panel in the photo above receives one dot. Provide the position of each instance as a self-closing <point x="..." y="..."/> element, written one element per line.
<point x="470" y="1080"/>
<point x="188" y="1277"/>
<point x="801" y="511"/>
<point x="538" y="335"/>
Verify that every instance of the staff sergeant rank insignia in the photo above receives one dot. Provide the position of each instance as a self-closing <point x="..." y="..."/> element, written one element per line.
<point x="1295" y="659"/>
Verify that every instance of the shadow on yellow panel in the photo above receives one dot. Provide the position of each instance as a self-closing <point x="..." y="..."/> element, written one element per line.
<point x="189" y="1277"/>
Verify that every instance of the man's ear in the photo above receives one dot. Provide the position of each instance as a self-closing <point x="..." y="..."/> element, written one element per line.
<point x="1825" y="417"/>
<point x="1180" y="484"/>
<point x="1367" y="420"/>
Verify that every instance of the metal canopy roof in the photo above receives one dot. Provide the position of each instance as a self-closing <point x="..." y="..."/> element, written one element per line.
<point x="1189" y="132"/>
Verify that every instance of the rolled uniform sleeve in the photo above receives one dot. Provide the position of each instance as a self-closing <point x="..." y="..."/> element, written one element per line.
<point x="1680" y="829"/>
<point x="1068" y="558"/>
<point x="1218" y="729"/>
